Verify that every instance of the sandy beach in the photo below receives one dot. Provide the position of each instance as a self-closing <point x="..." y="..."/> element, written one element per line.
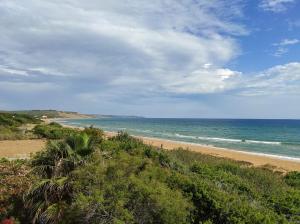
<point x="257" y="160"/>
<point x="23" y="149"/>
<point x="280" y="164"/>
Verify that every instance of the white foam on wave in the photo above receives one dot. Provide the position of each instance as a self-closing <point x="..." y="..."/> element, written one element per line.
<point x="220" y="139"/>
<point x="227" y="139"/>
<point x="141" y="130"/>
<point x="282" y="157"/>
<point x="263" y="142"/>
<point x="185" y="136"/>
<point x="75" y="123"/>
<point x="205" y="138"/>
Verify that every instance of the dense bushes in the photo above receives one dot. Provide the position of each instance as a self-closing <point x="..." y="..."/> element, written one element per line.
<point x="53" y="131"/>
<point x="88" y="179"/>
<point x="293" y="179"/>
<point x="126" y="190"/>
<point x="57" y="131"/>
<point x="199" y="188"/>
<point x="14" y="181"/>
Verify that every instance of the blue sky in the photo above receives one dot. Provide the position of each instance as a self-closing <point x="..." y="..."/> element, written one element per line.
<point x="160" y="58"/>
<point x="268" y="27"/>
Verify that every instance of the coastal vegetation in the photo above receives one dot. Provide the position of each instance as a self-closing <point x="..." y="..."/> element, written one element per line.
<point x="53" y="131"/>
<point x="14" y="126"/>
<point x="84" y="177"/>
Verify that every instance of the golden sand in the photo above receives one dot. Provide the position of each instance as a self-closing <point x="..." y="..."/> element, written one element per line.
<point x="279" y="164"/>
<point x="23" y="148"/>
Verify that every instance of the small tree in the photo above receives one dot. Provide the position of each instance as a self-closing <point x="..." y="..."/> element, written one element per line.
<point x="48" y="198"/>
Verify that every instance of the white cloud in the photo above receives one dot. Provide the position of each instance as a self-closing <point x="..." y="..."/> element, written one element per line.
<point x="280" y="51"/>
<point x="293" y="24"/>
<point x="123" y="53"/>
<point x="278" y="80"/>
<point x="10" y="71"/>
<point x="286" y="42"/>
<point x="282" y="46"/>
<point x="275" y="5"/>
<point x="158" y="45"/>
<point x="211" y="80"/>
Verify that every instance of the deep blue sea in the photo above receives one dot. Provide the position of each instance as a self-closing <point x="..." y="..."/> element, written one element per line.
<point x="273" y="137"/>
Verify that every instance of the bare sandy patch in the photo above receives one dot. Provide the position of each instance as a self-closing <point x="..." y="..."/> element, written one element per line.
<point x="20" y="148"/>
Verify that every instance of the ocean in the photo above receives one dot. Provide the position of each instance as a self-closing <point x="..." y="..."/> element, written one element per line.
<point x="280" y="138"/>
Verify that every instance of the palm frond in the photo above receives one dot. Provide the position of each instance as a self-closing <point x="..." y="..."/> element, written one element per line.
<point x="53" y="213"/>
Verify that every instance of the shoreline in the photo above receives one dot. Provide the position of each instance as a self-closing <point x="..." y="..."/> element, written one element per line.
<point x="257" y="160"/>
<point x="279" y="163"/>
<point x="281" y="157"/>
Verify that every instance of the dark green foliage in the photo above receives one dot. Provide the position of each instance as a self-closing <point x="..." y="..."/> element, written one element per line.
<point x="95" y="133"/>
<point x="293" y="179"/>
<point x="125" y="189"/>
<point x="48" y="198"/>
<point x="212" y="190"/>
<point x="86" y="178"/>
<point x="244" y="187"/>
<point x="124" y="141"/>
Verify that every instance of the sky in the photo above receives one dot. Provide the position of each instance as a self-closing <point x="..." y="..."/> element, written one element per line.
<point x="159" y="58"/>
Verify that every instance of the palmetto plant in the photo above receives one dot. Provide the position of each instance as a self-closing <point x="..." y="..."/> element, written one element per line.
<point x="47" y="198"/>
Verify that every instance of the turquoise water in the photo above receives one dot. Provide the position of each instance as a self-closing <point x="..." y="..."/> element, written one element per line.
<point x="274" y="137"/>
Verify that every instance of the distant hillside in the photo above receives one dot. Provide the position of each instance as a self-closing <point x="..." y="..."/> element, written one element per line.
<point x="52" y="114"/>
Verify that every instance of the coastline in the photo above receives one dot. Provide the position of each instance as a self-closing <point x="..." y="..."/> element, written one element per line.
<point x="278" y="163"/>
<point x="23" y="148"/>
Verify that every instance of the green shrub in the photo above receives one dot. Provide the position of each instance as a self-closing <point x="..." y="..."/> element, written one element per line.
<point x="293" y="179"/>
<point x="55" y="124"/>
<point x="53" y="131"/>
<point x="120" y="190"/>
<point x="95" y="133"/>
<point x="127" y="181"/>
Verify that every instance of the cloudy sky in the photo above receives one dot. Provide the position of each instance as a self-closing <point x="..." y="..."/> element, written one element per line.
<point x="159" y="58"/>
